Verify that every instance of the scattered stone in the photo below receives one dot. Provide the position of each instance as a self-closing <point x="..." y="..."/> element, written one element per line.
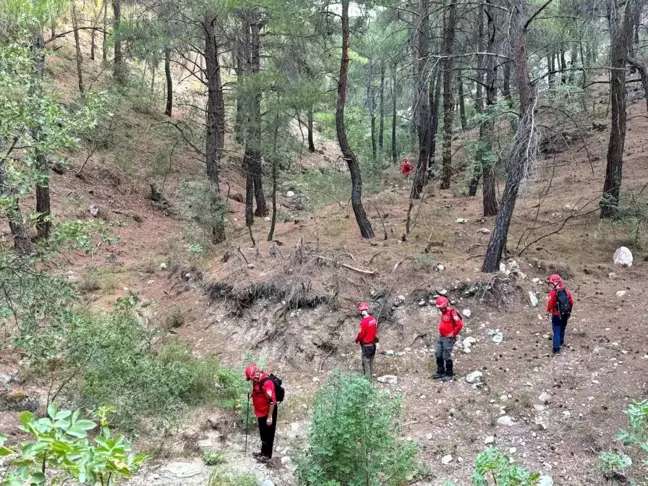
<point x="512" y="450"/>
<point x="567" y="413"/>
<point x="267" y="219"/>
<point x="475" y="377"/>
<point x="439" y="268"/>
<point x="388" y="379"/>
<point x="399" y="354"/>
<point x="442" y="292"/>
<point x="469" y="341"/>
<point x="570" y="207"/>
<point x="621" y="293"/>
<point x="429" y="436"/>
<point x="540" y="423"/>
<point x="266" y="482"/>
<point x="544" y="398"/>
<point x="183" y="470"/>
<point x="388" y="352"/>
<point x="557" y="215"/>
<point x="290" y="194"/>
<point x="612" y="275"/>
<point x="250" y="266"/>
<point x="286" y="461"/>
<point x="483" y="231"/>
<point x="489" y="440"/>
<point x="535" y="281"/>
<point x="545" y="481"/>
<point x="497" y="336"/>
<point x="422" y="303"/>
<point x="163" y="266"/>
<point x="445" y="460"/>
<point x="94" y="210"/>
<point x="505" y="420"/>
<point x="466" y="312"/>
<point x="461" y="221"/>
<point x="5" y="378"/>
<point x="503" y="398"/>
<point x="533" y="299"/>
<point x="539" y="408"/>
<point x="623" y="257"/>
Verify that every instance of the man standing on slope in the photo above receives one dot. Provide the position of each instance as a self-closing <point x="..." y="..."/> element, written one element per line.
<point x="406" y="167"/>
<point x="264" y="401"/>
<point x="560" y="306"/>
<point x="449" y="327"/>
<point x="367" y="339"/>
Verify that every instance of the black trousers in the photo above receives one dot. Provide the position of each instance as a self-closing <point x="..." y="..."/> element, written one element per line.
<point x="267" y="433"/>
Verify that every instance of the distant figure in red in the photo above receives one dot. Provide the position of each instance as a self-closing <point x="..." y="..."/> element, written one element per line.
<point x="560" y="307"/>
<point x="407" y="167"/>
<point x="367" y="339"/>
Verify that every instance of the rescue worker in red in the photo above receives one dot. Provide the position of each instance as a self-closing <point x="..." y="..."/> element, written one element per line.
<point x="560" y="306"/>
<point x="264" y="401"/>
<point x="407" y="167"/>
<point x="449" y="327"/>
<point x="367" y="339"/>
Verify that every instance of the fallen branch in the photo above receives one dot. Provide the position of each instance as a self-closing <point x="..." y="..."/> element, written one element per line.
<point x="349" y="267"/>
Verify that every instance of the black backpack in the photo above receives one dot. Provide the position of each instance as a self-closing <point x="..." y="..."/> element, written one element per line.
<point x="279" y="390"/>
<point x="563" y="304"/>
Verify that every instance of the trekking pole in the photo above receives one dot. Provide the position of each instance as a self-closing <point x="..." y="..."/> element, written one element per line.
<point x="247" y="421"/>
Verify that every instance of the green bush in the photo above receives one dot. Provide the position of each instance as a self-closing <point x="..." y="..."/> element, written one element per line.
<point x="355" y="437"/>
<point x="493" y="467"/>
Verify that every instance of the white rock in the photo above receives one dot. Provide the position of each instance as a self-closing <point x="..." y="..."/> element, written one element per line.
<point x="439" y="267"/>
<point x="461" y="221"/>
<point x="483" y="231"/>
<point x="389" y="352"/>
<point x="506" y="420"/>
<point x="545" y="481"/>
<point x="536" y="281"/>
<point x="544" y="398"/>
<point x="267" y="219"/>
<point x="503" y="398"/>
<point x="621" y="293"/>
<point x="567" y="413"/>
<point x="163" y="266"/>
<point x="539" y="408"/>
<point x="489" y="440"/>
<point x="290" y="194"/>
<point x="445" y="460"/>
<point x="388" y="379"/>
<point x="512" y="450"/>
<point x="442" y="292"/>
<point x="466" y="312"/>
<point x="469" y="341"/>
<point x="266" y="482"/>
<point x="422" y="303"/>
<point x="533" y="299"/>
<point x="466" y="350"/>
<point x="184" y="469"/>
<point x="475" y="377"/>
<point x="612" y="275"/>
<point x="429" y="436"/>
<point x="623" y="257"/>
<point x="399" y="354"/>
<point x="286" y="461"/>
<point x="570" y="207"/>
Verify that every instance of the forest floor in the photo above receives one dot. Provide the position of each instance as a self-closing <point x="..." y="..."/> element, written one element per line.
<point x="589" y="384"/>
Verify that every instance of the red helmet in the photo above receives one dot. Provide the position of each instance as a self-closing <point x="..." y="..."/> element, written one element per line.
<point x="363" y="306"/>
<point x="250" y="371"/>
<point x="442" y="302"/>
<point x="555" y="279"/>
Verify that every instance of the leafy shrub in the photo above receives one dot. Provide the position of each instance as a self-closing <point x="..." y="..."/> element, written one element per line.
<point x="493" y="467"/>
<point x="60" y="448"/>
<point x="355" y="437"/>
<point x="613" y="465"/>
<point x="213" y="458"/>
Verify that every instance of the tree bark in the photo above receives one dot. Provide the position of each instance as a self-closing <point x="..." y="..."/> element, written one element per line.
<point x="254" y="140"/>
<point x="422" y="104"/>
<point x="381" y="123"/>
<point x="104" y="42"/>
<point x="394" y="152"/>
<point x="551" y="69"/>
<point x="119" y="69"/>
<point x="169" y="82"/>
<point x="354" y="168"/>
<point x="311" y="139"/>
<point x="522" y="150"/>
<point x="435" y="96"/>
<point x="643" y="72"/>
<point x="563" y="67"/>
<point x="487" y="129"/>
<point x="621" y="37"/>
<point x="274" y="177"/>
<point x="215" y="129"/>
<point x="22" y="243"/>
<point x="479" y="98"/>
<point x="462" y="103"/>
<point x="371" y="103"/>
<point x="448" y="102"/>
<point x="77" y="46"/>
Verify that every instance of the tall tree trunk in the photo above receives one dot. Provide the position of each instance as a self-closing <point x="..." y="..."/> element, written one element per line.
<point x="77" y="45"/>
<point x="215" y="130"/>
<point x="119" y="69"/>
<point x="479" y="100"/>
<point x="448" y="102"/>
<point x="22" y="243"/>
<point x="643" y="72"/>
<point x="104" y="41"/>
<point x="573" y="58"/>
<point x="394" y="152"/>
<point x="435" y="97"/>
<point x="381" y="123"/>
<point x="487" y="130"/>
<point x="563" y="67"/>
<point x="255" y="118"/>
<point x="422" y="112"/>
<point x="462" y="103"/>
<point x="551" y="69"/>
<point x="621" y="37"/>
<point x="371" y="104"/>
<point x="311" y="138"/>
<point x="274" y="176"/>
<point x="523" y="147"/>
<point x="506" y="83"/>
<point x="354" y="168"/>
<point x="169" y="82"/>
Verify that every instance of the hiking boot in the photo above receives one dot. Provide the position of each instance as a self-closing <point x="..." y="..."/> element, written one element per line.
<point x="262" y="459"/>
<point x="438" y="375"/>
<point x="447" y="378"/>
<point x="441" y="371"/>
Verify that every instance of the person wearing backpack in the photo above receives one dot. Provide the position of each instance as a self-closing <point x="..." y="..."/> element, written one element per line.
<point x="560" y="306"/>
<point x="367" y="339"/>
<point x="266" y="393"/>
<point x="449" y="327"/>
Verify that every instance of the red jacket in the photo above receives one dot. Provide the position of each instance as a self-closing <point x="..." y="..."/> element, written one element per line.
<point x="451" y="324"/>
<point x="367" y="334"/>
<point x="407" y="167"/>
<point x="262" y="396"/>
<point x="552" y="306"/>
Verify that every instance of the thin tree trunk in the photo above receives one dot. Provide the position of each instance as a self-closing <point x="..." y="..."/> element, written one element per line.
<point x="563" y="67"/>
<point x="394" y="152"/>
<point x="311" y="138"/>
<point x="621" y="38"/>
<point x="22" y="243"/>
<point x="422" y="113"/>
<point x="435" y="97"/>
<point x="169" y="82"/>
<point x="479" y="100"/>
<point x="551" y="69"/>
<point x="255" y="121"/>
<point x="215" y="130"/>
<point x="523" y="149"/>
<point x="381" y="123"/>
<point x="274" y="177"/>
<point x="371" y="103"/>
<point x="354" y="168"/>
<point x="119" y="69"/>
<point x="506" y="83"/>
<point x="77" y="45"/>
<point x="153" y="71"/>
<point x="104" y="42"/>
<point x="643" y="72"/>
<point x="487" y="129"/>
<point x="573" y="57"/>
<point x="462" y="103"/>
<point x="448" y="102"/>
